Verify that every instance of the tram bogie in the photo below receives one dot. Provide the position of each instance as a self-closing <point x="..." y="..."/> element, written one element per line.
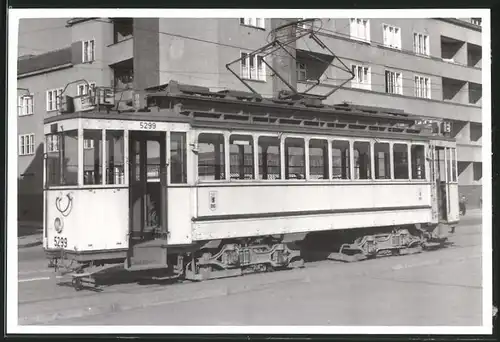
<point x="186" y="191"/>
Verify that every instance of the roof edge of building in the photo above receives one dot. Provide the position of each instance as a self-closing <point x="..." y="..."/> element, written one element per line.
<point x="74" y="21"/>
<point x="44" y="71"/>
<point x="462" y="23"/>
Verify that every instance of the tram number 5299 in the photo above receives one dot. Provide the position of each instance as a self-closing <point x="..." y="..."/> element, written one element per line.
<point x="147" y="125"/>
<point x="60" y="242"/>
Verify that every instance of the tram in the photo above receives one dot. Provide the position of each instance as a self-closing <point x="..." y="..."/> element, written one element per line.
<point x="199" y="184"/>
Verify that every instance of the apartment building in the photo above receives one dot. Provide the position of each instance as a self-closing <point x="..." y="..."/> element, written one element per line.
<point x="423" y="66"/>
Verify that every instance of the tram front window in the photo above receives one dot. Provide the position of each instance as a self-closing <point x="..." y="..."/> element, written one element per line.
<point x="62" y="158"/>
<point x="92" y="156"/>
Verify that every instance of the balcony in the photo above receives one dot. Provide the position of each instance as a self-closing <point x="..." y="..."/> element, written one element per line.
<point x="123" y="42"/>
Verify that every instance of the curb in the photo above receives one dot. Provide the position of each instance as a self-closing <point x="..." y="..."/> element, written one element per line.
<point x="30" y="244"/>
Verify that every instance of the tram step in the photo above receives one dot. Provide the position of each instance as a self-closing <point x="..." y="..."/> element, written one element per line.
<point x="144" y="257"/>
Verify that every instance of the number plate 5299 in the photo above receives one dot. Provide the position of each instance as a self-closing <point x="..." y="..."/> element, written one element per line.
<point x="60" y="242"/>
<point x="147" y="125"/>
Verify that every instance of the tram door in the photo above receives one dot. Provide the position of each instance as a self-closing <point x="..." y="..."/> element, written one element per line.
<point x="147" y="153"/>
<point x="446" y="187"/>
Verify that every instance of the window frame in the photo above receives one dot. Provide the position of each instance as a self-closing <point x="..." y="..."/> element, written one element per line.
<point x="425" y="38"/>
<point x="225" y="154"/>
<point x="85" y="54"/>
<point x="22" y="105"/>
<point x="391" y="161"/>
<point x="408" y="144"/>
<point x="246" y="22"/>
<point x="91" y="86"/>
<point x="371" y="168"/>
<point x="351" y="158"/>
<point x="260" y="73"/>
<point x="367" y="28"/>
<point x="429" y="90"/>
<point x="385" y="37"/>
<point x="299" y="70"/>
<point x="30" y="145"/>
<point x="281" y="143"/>
<point x="361" y="85"/>
<point x="251" y="137"/>
<point x="305" y="139"/>
<point x="426" y="164"/>
<point x="396" y="73"/>
<point x="56" y="106"/>
<point x="327" y="158"/>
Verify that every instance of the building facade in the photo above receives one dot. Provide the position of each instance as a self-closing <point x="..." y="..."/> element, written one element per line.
<point x="423" y="66"/>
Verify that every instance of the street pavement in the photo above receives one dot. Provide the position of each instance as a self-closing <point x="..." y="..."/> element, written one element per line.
<point x="434" y="288"/>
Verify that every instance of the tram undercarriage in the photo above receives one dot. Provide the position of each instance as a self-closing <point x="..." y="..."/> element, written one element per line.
<point x="236" y="257"/>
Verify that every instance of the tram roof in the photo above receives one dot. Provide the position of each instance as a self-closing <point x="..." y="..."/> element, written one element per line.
<point x="200" y="107"/>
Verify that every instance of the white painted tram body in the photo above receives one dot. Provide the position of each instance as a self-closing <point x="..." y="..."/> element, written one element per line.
<point x="169" y="182"/>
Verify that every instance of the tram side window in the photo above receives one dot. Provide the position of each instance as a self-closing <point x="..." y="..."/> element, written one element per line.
<point x="417" y="162"/>
<point x="269" y="158"/>
<point x="178" y="168"/>
<point x="295" y="157"/>
<point x="318" y="159"/>
<point x="115" y="156"/>
<point x="362" y="160"/>
<point x="241" y="157"/>
<point x="62" y="158"/>
<point x="453" y="168"/>
<point x="92" y="156"/>
<point x="400" y="152"/>
<point x="382" y="161"/>
<point x="340" y="160"/>
<point x="211" y="165"/>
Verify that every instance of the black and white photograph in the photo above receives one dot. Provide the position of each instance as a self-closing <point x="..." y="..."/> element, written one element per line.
<point x="211" y="171"/>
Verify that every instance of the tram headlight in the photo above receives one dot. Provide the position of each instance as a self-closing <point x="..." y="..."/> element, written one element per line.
<point x="58" y="225"/>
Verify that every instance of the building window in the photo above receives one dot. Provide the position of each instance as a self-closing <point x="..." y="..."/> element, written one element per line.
<point x="241" y="157"/>
<point x="318" y="159"/>
<point x="254" y="22"/>
<point x="295" y="158"/>
<point x="362" y="160"/>
<point x="88" y="144"/>
<point x="382" y="161"/>
<point x="417" y="161"/>
<point x="269" y="158"/>
<point x="252" y="67"/>
<point x="360" y="29"/>
<point x="393" y="82"/>
<point x="178" y="156"/>
<point x="88" y="51"/>
<point x="83" y="88"/>
<point x="422" y="87"/>
<point x="53" y="102"/>
<point x="25" y="105"/>
<point x="301" y="71"/>
<point x="211" y="161"/>
<point x="340" y="160"/>
<point x="362" y="77"/>
<point x="421" y="44"/>
<point x="392" y="36"/>
<point x="400" y="152"/>
<point x="26" y="144"/>
<point x="52" y="143"/>
<point x="476" y="21"/>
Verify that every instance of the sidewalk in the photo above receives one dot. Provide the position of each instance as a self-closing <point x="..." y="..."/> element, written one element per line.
<point x="29" y="234"/>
